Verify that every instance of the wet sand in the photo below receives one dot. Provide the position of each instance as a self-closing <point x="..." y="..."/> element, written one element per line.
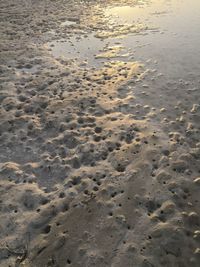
<point x="99" y="133"/>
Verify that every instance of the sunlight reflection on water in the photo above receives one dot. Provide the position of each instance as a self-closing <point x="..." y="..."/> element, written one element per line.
<point x="176" y="43"/>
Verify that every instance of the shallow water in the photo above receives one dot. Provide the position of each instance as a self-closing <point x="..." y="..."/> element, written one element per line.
<point x="172" y="40"/>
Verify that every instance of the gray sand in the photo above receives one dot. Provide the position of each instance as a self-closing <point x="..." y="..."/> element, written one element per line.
<point x="99" y="133"/>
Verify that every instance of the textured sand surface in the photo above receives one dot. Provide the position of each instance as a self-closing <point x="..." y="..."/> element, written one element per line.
<point x="99" y="133"/>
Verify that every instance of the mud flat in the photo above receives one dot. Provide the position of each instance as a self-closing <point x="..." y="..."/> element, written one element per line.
<point x="99" y="133"/>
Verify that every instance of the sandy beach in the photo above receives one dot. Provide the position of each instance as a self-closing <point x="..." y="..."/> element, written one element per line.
<point x="99" y="133"/>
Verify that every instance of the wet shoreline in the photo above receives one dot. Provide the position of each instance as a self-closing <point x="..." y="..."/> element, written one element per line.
<point x="99" y="134"/>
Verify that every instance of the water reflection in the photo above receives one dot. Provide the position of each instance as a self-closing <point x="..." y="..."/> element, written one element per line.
<point x="171" y="36"/>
